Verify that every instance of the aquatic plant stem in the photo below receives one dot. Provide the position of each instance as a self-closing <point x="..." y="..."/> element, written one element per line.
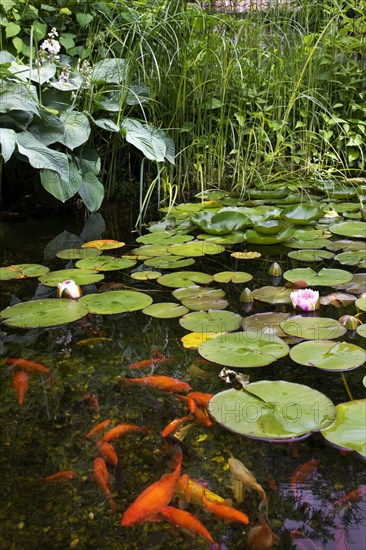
<point x="346" y="386"/>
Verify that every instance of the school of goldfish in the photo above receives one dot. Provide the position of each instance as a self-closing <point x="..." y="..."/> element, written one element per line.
<point x="154" y="502"/>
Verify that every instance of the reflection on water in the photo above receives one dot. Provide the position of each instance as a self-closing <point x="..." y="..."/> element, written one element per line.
<point x="324" y="511"/>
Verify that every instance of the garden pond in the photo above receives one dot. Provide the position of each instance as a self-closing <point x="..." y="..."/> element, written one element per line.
<point x="202" y="296"/>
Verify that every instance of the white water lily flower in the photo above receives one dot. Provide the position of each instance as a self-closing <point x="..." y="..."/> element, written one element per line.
<point x="306" y="299"/>
<point x="69" y="289"/>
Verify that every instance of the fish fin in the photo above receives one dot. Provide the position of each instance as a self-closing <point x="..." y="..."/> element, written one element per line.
<point x="228" y="502"/>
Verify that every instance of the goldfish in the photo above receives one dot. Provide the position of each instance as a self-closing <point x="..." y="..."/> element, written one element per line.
<point x="30" y="366"/>
<point x="59" y="476"/>
<point x="243" y="479"/>
<point x="149" y="503"/>
<point x="122" y="429"/>
<point x="350" y="498"/>
<point x="261" y="537"/>
<point x="94" y="340"/>
<point x="107" y="452"/>
<point x="302" y="473"/>
<point x="174" y="425"/>
<point x="93" y="401"/>
<point x="20" y="383"/>
<point x="157" y="358"/>
<point x="201" y="399"/>
<point x="181" y="519"/>
<point x="164" y="383"/>
<point x="98" y="428"/>
<point x="228" y="513"/>
<point x="101" y="477"/>
<point x="190" y="491"/>
<point x="202" y="416"/>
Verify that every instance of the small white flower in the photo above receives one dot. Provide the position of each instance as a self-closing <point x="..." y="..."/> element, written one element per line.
<point x="306" y="299"/>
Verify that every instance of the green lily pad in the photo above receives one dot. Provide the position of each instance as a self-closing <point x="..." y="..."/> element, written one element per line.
<point x="43" y="313"/>
<point x="360" y="303"/>
<point x="278" y="193"/>
<point x="270" y="227"/>
<point x="325" y="277"/>
<point x="310" y="255"/>
<point x="80" y="276"/>
<point x="329" y="355"/>
<point x="152" y="250"/>
<point x="361" y="330"/>
<point x="349" y="428"/>
<point x="301" y="214"/>
<point x="272" y="410"/>
<point x="196" y="248"/>
<point x="201" y="298"/>
<point x="346" y="245"/>
<point x="338" y="299"/>
<point x="309" y="234"/>
<point x="357" y="257"/>
<point x="164" y="238"/>
<point x="313" y="328"/>
<point x="165" y="310"/>
<point x="265" y="323"/>
<point x="78" y="253"/>
<point x="244" y="349"/>
<point x="232" y="277"/>
<point x="103" y="244"/>
<point x="169" y="262"/>
<point x="22" y="271"/>
<point x="221" y="223"/>
<point x="314" y="245"/>
<point x="116" y="301"/>
<point x="357" y="284"/>
<point x="253" y="237"/>
<point x="196" y="290"/>
<point x="235" y="237"/>
<point x="273" y="294"/>
<point x="211" y="321"/>
<point x="181" y="279"/>
<point x="145" y="275"/>
<point x="105" y="263"/>
<point x="354" y="229"/>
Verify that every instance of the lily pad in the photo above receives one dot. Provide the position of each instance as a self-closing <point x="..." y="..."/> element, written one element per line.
<point x="169" y="262"/>
<point x="329" y="355"/>
<point x="361" y="330"/>
<point x="310" y="255"/>
<point x="105" y="263"/>
<point x="349" y="428"/>
<point x="268" y="323"/>
<point x="196" y="248"/>
<point x="80" y="276"/>
<point x="221" y="223"/>
<point x="211" y="321"/>
<point x="43" y="313"/>
<point x="152" y="250"/>
<point x="164" y="238"/>
<point x="272" y="410"/>
<point x="165" y="310"/>
<point x="360" y="303"/>
<point x="273" y="294"/>
<point x="145" y="275"/>
<point x="357" y="284"/>
<point x="270" y="227"/>
<point x="314" y="245"/>
<point x="22" y="271"/>
<point x="232" y="277"/>
<point x="313" y="328"/>
<point x="325" y="277"/>
<point x="181" y="279"/>
<point x="244" y="349"/>
<point x="301" y="214"/>
<point x="354" y="229"/>
<point x="253" y="237"/>
<point x="194" y="339"/>
<point x="356" y="257"/>
<point x="338" y="299"/>
<point x="103" y="244"/>
<point x="235" y="237"/>
<point x="78" y="253"/>
<point x="116" y="301"/>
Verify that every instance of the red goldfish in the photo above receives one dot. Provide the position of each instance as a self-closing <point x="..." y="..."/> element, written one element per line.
<point x="190" y="491"/>
<point x="122" y="429"/>
<point x="59" y="476"/>
<point x="226" y="512"/>
<point x="20" y="383"/>
<point x="107" y="452"/>
<point x="180" y="519"/>
<point x="261" y="537"/>
<point x="350" y="498"/>
<point x="29" y="366"/>
<point x="157" y="358"/>
<point x="98" y="428"/>
<point x="202" y="416"/>
<point x="201" y="399"/>
<point x="101" y="477"/>
<point x="164" y="383"/>
<point x="150" y="502"/>
<point x="302" y="473"/>
<point x="93" y="401"/>
<point x="174" y="425"/>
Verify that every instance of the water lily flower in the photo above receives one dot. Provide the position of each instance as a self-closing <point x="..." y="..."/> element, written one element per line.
<point x="306" y="299"/>
<point x="69" y="289"/>
<point x="349" y="321"/>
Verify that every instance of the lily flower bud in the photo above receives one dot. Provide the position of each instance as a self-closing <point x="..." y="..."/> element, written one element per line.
<point x="349" y="322"/>
<point x="69" y="289"/>
<point x="275" y="270"/>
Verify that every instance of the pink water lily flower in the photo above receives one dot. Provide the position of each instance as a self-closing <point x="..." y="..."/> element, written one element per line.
<point x="69" y="289"/>
<point x="306" y="299"/>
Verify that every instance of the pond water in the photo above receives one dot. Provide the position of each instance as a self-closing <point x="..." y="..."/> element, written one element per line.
<point x="322" y="511"/>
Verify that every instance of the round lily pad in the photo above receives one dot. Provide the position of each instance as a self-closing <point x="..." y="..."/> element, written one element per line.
<point x="310" y="255"/>
<point x="253" y="237"/>
<point x="211" y="321"/>
<point x="338" y="299"/>
<point x="270" y="227"/>
<point x="355" y="257"/>
<point x="220" y="223"/>
<point x="354" y="229"/>
<point x="165" y="310"/>
<point x="116" y="301"/>
<point x="314" y="245"/>
<point x="325" y="277"/>
<point x="235" y="237"/>
<point x="273" y="294"/>
<point x="80" y="276"/>
<point x="349" y="428"/>
<point x="78" y="253"/>
<point x="152" y="250"/>
<point x="357" y="284"/>
<point x="313" y="328"/>
<point x="244" y="349"/>
<point x="22" y="271"/>
<point x="268" y="323"/>
<point x="361" y="330"/>
<point x="164" y="238"/>
<point x="193" y="340"/>
<point x="201" y="298"/>
<point x="329" y="355"/>
<point x="301" y="214"/>
<point x="105" y="263"/>
<point x="44" y="313"/>
<point x="169" y="262"/>
<point x="272" y="410"/>
<point x="360" y="303"/>
<point x="246" y="255"/>
<point x="196" y="248"/>
<point x="103" y="244"/>
<point x="232" y="277"/>
<point x="181" y="279"/>
<point x="145" y="275"/>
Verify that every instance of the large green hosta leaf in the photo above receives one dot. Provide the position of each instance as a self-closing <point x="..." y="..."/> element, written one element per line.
<point x="40" y="156"/>
<point x="8" y="142"/>
<point x="91" y="191"/>
<point x="16" y="97"/>
<point x="349" y="428"/>
<point x="77" y="129"/>
<point x="112" y="71"/>
<point x="154" y="144"/>
<point x="62" y="189"/>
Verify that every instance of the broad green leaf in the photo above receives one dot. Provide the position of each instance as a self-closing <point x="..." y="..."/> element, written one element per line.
<point x="273" y="294"/>
<point x="7" y="142"/>
<point x="301" y="214"/>
<point x="145" y="139"/>
<point x="60" y="188"/>
<point x="232" y="277"/>
<point x="91" y="191"/>
<point x="265" y="323"/>
<point x="181" y="279"/>
<point x="105" y="263"/>
<point x="106" y="124"/>
<point x="349" y="428"/>
<point x="169" y="262"/>
<point x="80" y="276"/>
<point x="329" y="355"/>
<point x="84" y="19"/>
<point x="356" y="257"/>
<point x="313" y="328"/>
<point x="195" y="248"/>
<point x="254" y="237"/>
<point x="352" y="229"/>
<point x="16" y="96"/>
<point x="12" y="29"/>
<point x="40" y="156"/>
<point x="360" y="303"/>
<point x="116" y="301"/>
<point x="77" y="129"/>
<point x="165" y="310"/>
<point x="21" y="271"/>
<point x="310" y="255"/>
<point x="111" y="71"/>
<point x="145" y="275"/>
<point x="211" y="321"/>
<point x="325" y="277"/>
<point x="43" y="313"/>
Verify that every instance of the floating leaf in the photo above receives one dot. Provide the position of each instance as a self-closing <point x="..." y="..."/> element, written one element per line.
<point x="338" y="299"/>
<point x="325" y="277"/>
<point x="329" y="355"/>
<point x="349" y="428"/>
<point x="301" y="214"/>
<point x="43" y="313"/>
<point x="270" y="227"/>
<point x="254" y="237"/>
<point x="273" y="294"/>
<point x="272" y="410"/>
<point x="116" y="301"/>
<point x="356" y="257"/>
<point x="235" y="237"/>
<point x="313" y="328"/>
<point x="194" y="339"/>
<point x="354" y="229"/>
<point x="357" y="284"/>
<point x="169" y="262"/>
<point x="196" y="248"/>
<point x="361" y="330"/>
<point x="165" y="310"/>
<point x="220" y="223"/>
<point x="145" y="275"/>
<point x="181" y="279"/>
<point x="244" y="349"/>
<point x="310" y="255"/>
<point x="314" y="245"/>
<point x="22" y="271"/>
<point x="232" y="277"/>
<point x="103" y="244"/>
<point x="80" y="276"/>
<point x="211" y="321"/>
<point x="164" y="238"/>
<point x="78" y="253"/>
<point x="105" y="263"/>
<point x="360" y="303"/>
<point x="152" y="250"/>
<point x="265" y="323"/>
<point x="245" y="255"/>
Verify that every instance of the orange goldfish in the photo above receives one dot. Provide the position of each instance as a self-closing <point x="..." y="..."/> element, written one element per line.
<point x="29" y="366"/>
<point x="190" y="491"/>
<point x="107" y="452"/>
<point x="20" y="383"/>
<point x="101" y="477"/>
<point x="59" y="476"/>
<point x="157" y="358"/>
<point x="261" y="537"/>
<point x="164" y="383"/>
<point x="202" y="399"/>
<point x="122" y="429"/>
<point x="181" y="519"/>
<point x="149" y="503"/>
<point x="350" y="498"/>
<point x="98" y="428"/>
<point x="174" y="425"/>
<point x="243" y="479"/>
<point x="228" y="513"/>
<point x="202" y="416"/>
<point x="93" y="401"/>
<point x="303" y="472"/>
